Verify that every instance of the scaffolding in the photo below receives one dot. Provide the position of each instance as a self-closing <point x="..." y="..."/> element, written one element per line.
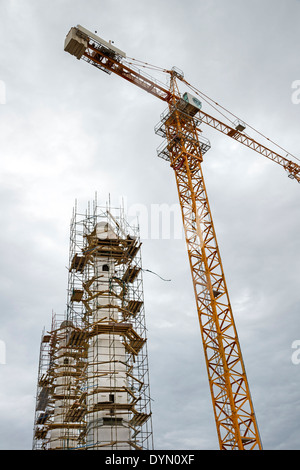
<point x="93" y="382"/>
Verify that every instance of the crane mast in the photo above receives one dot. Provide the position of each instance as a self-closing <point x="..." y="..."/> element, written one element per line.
<point x="184" y="148"/>
<point x="232" y="404"/>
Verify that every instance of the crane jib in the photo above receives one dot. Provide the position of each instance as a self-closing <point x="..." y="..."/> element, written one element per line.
<point x="104" y="55"/>
<point x="291" y="167"/>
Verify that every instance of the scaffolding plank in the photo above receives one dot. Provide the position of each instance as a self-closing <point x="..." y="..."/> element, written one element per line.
<point x="76" y="338"/>
<point x="40" y="433"/>
<point x="77" y="295"/>
<point x="46" y="338"/>
<point x="139" y="419"/>
<point x="131" y="274"/>
<point x="76" y="412"/>
<point x="66" y="425"/>
<point x="78" y="263"/>
<point x="134" y="306"/>
<point x="121" y="328"/>
<point x="111" y="406"/>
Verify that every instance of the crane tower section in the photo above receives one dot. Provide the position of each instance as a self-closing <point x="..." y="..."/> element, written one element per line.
<point x="184" y="148"/>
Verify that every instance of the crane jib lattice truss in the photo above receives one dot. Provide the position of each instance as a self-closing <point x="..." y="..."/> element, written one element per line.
<point x="184" y="148"/>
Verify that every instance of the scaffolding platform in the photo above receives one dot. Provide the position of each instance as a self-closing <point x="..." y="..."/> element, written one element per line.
<point x="131" y="274"/>
<point x="77" y="295"/>
<point x="139" y="419"/>
<point x="77" y="338"/>
<point x="78" y="263"/>
<point x="75" y="412"/>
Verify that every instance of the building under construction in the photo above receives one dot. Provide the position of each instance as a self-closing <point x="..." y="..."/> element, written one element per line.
<point x="93" y="378"/>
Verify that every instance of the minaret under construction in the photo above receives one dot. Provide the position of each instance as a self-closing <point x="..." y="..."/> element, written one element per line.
<point x="93" y="381"/>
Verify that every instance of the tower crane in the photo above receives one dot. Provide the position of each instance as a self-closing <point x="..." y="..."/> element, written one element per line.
<point x="184" y="148"/>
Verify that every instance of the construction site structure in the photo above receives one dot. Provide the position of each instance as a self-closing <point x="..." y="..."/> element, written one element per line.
<point x="93" y="387"/>
<point x="184" y="148"/>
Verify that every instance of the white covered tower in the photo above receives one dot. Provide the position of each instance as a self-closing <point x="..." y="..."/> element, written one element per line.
<point x="93" y="386"/>
<point x="108" y="398"/>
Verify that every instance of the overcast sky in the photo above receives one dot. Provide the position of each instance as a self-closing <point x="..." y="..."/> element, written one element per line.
<point x="68" y="130"/>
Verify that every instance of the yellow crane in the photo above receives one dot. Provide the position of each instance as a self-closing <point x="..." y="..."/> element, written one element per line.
<point x="184" y="148"/>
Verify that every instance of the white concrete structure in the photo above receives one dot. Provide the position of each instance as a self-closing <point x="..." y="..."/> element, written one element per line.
<point x="107" y="398"/>
<point x="93" y="383"/>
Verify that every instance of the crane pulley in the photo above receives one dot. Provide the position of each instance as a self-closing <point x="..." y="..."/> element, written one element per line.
<point x="184" y="148"/>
